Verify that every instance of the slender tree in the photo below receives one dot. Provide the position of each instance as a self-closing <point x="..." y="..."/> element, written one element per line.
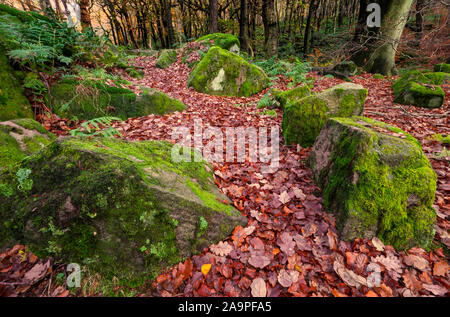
<point x="270" y="28"/>
<point x="85" y="18"/>
<point x="243" y="26"/>
<point x="213" y="16"/>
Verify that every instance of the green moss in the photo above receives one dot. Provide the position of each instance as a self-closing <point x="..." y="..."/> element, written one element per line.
<point x="304" y="118"/>
<point x="222" y="40"/>
<point x="157" y="102"/>
<point x="13" y="103"/>
<point x="166" y="58"/>
<point x="442" y="68"/>
<point x="106" y="211"/>
<point x="420" y="95"/>
<point x="378" y="76"/>
<point x="89" y="99"/>
<point x="394" y="188"/>
<point x="285" y="97"/>
<point x="226" y="74"/>
<point x="138" y="74"/>
<point x="19" y="138"/>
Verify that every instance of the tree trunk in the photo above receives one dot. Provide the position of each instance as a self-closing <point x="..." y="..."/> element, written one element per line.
<point x="419" y="20"/>
<point x="381" y="54"/>
<point x="85" y="18"/>
<point x="167" y="22"/>
<point x="270" y="28"/>
<point x="243" y="26"/>
<point x="311" y="11"/>
<point x="213" y="16"/>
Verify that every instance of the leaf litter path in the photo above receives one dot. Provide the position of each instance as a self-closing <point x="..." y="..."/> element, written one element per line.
<point x="290" y="246"/>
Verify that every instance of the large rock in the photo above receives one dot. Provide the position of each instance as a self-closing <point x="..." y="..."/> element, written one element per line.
<point x="442" y="68"/>
<point x="226" y="41"/>
<point x="223" y="73"/>
<point x="20" y="138"/>
<point x="126" y="209"/>
<point x="376" y="180"/>
<point x="420" y="89"/>
<point x="166" y="58"/>
<point x="304" y="118"/>
<point x="88" y="99"/>
<point x="13" y="103"/>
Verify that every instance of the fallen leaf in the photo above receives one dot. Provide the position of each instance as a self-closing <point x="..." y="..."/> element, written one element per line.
<point x="206" y="268"/>
<point x="221" y="249"/>
<point x="258" y="287"/>
<point x="286" y="278"/>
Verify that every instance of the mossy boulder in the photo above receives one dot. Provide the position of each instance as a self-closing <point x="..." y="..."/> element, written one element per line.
<point x="226" y="41"/>
<point x="20" y="138"/>
<point x="291" y="95"/>
<point x="166" y="58"/>
<point x="445" y="68"/>
<point x="376" y="180"/>
<point x="303" y="119"/>
<point x="125" y="209"/>
<point x="13" y="102"/>
<point x="89" y="99"/>
<point x="223" y="73"/>
<point x="420" y="89"/>
<point x="420" y="95"/>
<point x="346" y="69"/>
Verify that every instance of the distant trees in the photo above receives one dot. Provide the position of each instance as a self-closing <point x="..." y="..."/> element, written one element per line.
<point x="260" y="24"/>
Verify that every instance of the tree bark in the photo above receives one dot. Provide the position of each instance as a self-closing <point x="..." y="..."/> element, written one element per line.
<point x="381" y="52"/>
<point x="213" y="16"/>
<point x="243" y="26"/>
<point x="270" y="28"/>
<point x="85" y="18"/>
<point x="311" y="11"/>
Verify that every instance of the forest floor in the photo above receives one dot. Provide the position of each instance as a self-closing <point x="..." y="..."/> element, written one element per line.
<point x="290" y="246"/>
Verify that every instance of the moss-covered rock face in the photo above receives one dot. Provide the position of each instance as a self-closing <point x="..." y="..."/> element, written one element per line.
<point x="157" y="102"/>
<point x="226" y="41"/>
<point x="445" y="68"/>
<point x="223" y="73"/>
<point x="89" y="99"/>
<point x="346" y="68"/>
<point x="166" y="58"/>
<point x="420" y="89"/>
<point x="126" y="209"/>
<point x="135" y="73"/>
<point x="376" y="180"/>
<point x="291" y="95"/>
<point x="303" y="119"/>
<point x="20" y="138"/>
<point x="13" y="103"/>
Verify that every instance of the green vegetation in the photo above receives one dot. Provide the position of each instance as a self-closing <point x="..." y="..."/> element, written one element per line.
<point x="225" y="41"/>
<point x="223" y="73"/>
<point x="100" y="201"/>
<point x="376" y="183"/>
<point x="166" y="58"/>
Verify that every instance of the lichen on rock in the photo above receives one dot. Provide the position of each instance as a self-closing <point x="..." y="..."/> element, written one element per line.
<point x="223" y="73"/>
<point x="20" y="138"/>
<point x="346" y="68"/>
<point x="304" y="118"/>
<point x="125" y="209"/>
<point x="166" y="58"/>
<point x="376" y="180"/>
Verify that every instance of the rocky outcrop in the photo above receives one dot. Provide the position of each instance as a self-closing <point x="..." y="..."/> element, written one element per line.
<point x="376" y="180"/>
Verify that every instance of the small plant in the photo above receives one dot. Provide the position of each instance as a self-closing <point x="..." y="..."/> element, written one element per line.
<point x="202" y="226"/>
<point x="443" y="139"/>
<point x="97" y="127"/>
<point x="270" y="113"/>
<point x="25" y="184"/>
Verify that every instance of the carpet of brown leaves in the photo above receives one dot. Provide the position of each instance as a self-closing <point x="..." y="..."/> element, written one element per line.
<point x="290" y="246"/>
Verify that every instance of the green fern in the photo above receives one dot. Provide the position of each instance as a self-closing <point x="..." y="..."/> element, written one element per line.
<point x="97" y="127"/>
